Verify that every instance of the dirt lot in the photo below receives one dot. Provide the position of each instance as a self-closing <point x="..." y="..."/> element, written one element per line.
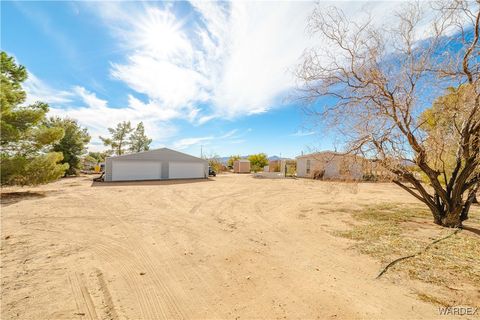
<point x="230" y="247"/>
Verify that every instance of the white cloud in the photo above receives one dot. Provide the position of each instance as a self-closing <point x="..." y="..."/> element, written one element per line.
<point x="95" y="114"/>
<point x="160" y="57"/>
<point x="39" y="91"/>
<point x="237" y="141"/>
<point x="90" y="99"/>
<point x="262" y="43"/>
<point x="229" y="137"/>
<point x="229" y="134"/>
<point x="235" y="57"/>
<point x="301" y="133"/>
<point x="162" y="81"/>
<point x="187" y="142"/>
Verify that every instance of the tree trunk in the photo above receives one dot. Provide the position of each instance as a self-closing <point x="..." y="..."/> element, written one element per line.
<point x="456" y="215"/>
<point x="453" y="218"/>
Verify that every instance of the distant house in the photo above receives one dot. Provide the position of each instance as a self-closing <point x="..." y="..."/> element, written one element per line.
<point x="329" y="165"/>
<point x="241" y="166"/>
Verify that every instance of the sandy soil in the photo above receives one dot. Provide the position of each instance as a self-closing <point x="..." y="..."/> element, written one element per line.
<point x="230" y="247"/>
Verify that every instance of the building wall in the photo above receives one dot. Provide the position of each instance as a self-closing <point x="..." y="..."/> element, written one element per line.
<point x="330" y="166"/>
<point x="164" y="155"/>
<point x="108" y="169"/>
<point x="302" y="167"/>
<point x="241" y="166"/>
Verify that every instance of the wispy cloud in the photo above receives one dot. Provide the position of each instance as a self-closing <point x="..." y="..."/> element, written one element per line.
<point x="231" y="62"/>
<point x="230" y="137"/>
<point x="39" y="91"/>
<point x="237" y="141"/>
<point x="234" y="59"/>
<point x="229" y="134"/>
<point x="301" y="133"/>
<point x="89" y="98"/>
<point x="96" y="115"/>
<point x="188" y="142"/>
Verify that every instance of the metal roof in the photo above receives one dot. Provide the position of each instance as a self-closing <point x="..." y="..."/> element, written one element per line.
<point x="156" y="154"/>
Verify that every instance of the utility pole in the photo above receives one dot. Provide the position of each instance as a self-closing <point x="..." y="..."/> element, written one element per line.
<point x="201" y="151"/>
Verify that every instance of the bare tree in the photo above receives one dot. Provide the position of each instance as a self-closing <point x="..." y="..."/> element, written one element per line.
<point x="381" y="78"/>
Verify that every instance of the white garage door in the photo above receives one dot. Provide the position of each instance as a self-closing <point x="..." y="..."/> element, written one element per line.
<point x="136" y="170"/>
<point x="186" y="170"/>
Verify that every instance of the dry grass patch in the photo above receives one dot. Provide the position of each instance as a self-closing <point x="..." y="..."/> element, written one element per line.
<point x="388" y="232"/>
<point x="432" y="299"/>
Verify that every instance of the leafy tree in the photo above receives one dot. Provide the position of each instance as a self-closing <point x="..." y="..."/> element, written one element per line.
<point x="118" y="142"/>
<point x="258" y="161"/>
<point x="20" y="170"/>
<point x="214" y="162"/>
<point x="72" y="145"/>
<point x="96" y="157"/>
<point x="138" y="140"/>
<point x="93" y="158"/>
<point x="25" y="140"/>
<point x="441" y="122"/>
<point x="232" y="159"/>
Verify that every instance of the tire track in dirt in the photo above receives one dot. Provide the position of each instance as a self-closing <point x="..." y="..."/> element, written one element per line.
<point x="153" y="304"/>
<point x="189" y="270"/>
<point x="148" y="304"/>
<point x="107" y="297"/>
<point x="82" y="296"/>
<point x="191" y="273"/>
<point x="143" y="261"/>
<point x="196" y="207"/>
<point x="149" y="307"/>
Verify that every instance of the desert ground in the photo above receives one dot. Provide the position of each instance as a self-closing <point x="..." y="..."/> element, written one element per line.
<point x="233" y="246"/>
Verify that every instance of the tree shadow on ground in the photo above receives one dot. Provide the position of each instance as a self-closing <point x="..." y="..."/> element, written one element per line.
<point x="149" y="182"/>
<point x="9" y="198"/>
<point x="472" y="229"/>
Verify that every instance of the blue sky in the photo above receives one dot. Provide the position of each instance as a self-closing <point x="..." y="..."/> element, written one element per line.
<point x="217" y="75"/>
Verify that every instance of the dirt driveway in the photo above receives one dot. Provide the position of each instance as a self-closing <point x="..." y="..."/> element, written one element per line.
<point x="230" y="247"/>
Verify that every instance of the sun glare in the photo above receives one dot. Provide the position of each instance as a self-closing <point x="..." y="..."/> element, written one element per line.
<point x="160" y="34"/>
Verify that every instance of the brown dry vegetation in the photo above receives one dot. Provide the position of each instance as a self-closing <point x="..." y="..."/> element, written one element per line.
<point x="228" y="247"/>
<point x="391" y="231"/>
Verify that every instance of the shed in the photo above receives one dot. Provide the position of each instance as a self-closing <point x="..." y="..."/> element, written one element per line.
<point x="156" y="164"/>
<point x="241" y="166"/>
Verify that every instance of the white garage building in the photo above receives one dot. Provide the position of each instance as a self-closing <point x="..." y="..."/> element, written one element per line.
<point x="156" y="164"/>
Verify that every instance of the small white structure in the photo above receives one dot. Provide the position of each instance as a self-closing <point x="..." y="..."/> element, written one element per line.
<point x="156" y="164"/>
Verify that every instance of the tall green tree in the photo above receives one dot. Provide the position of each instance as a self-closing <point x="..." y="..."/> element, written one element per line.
<point x="72" y="145"/>
<point x="25" y="140"/>
<point x="138" y="140"/>
<point x="119" y="140"/>
<point x="258" y="161"/>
